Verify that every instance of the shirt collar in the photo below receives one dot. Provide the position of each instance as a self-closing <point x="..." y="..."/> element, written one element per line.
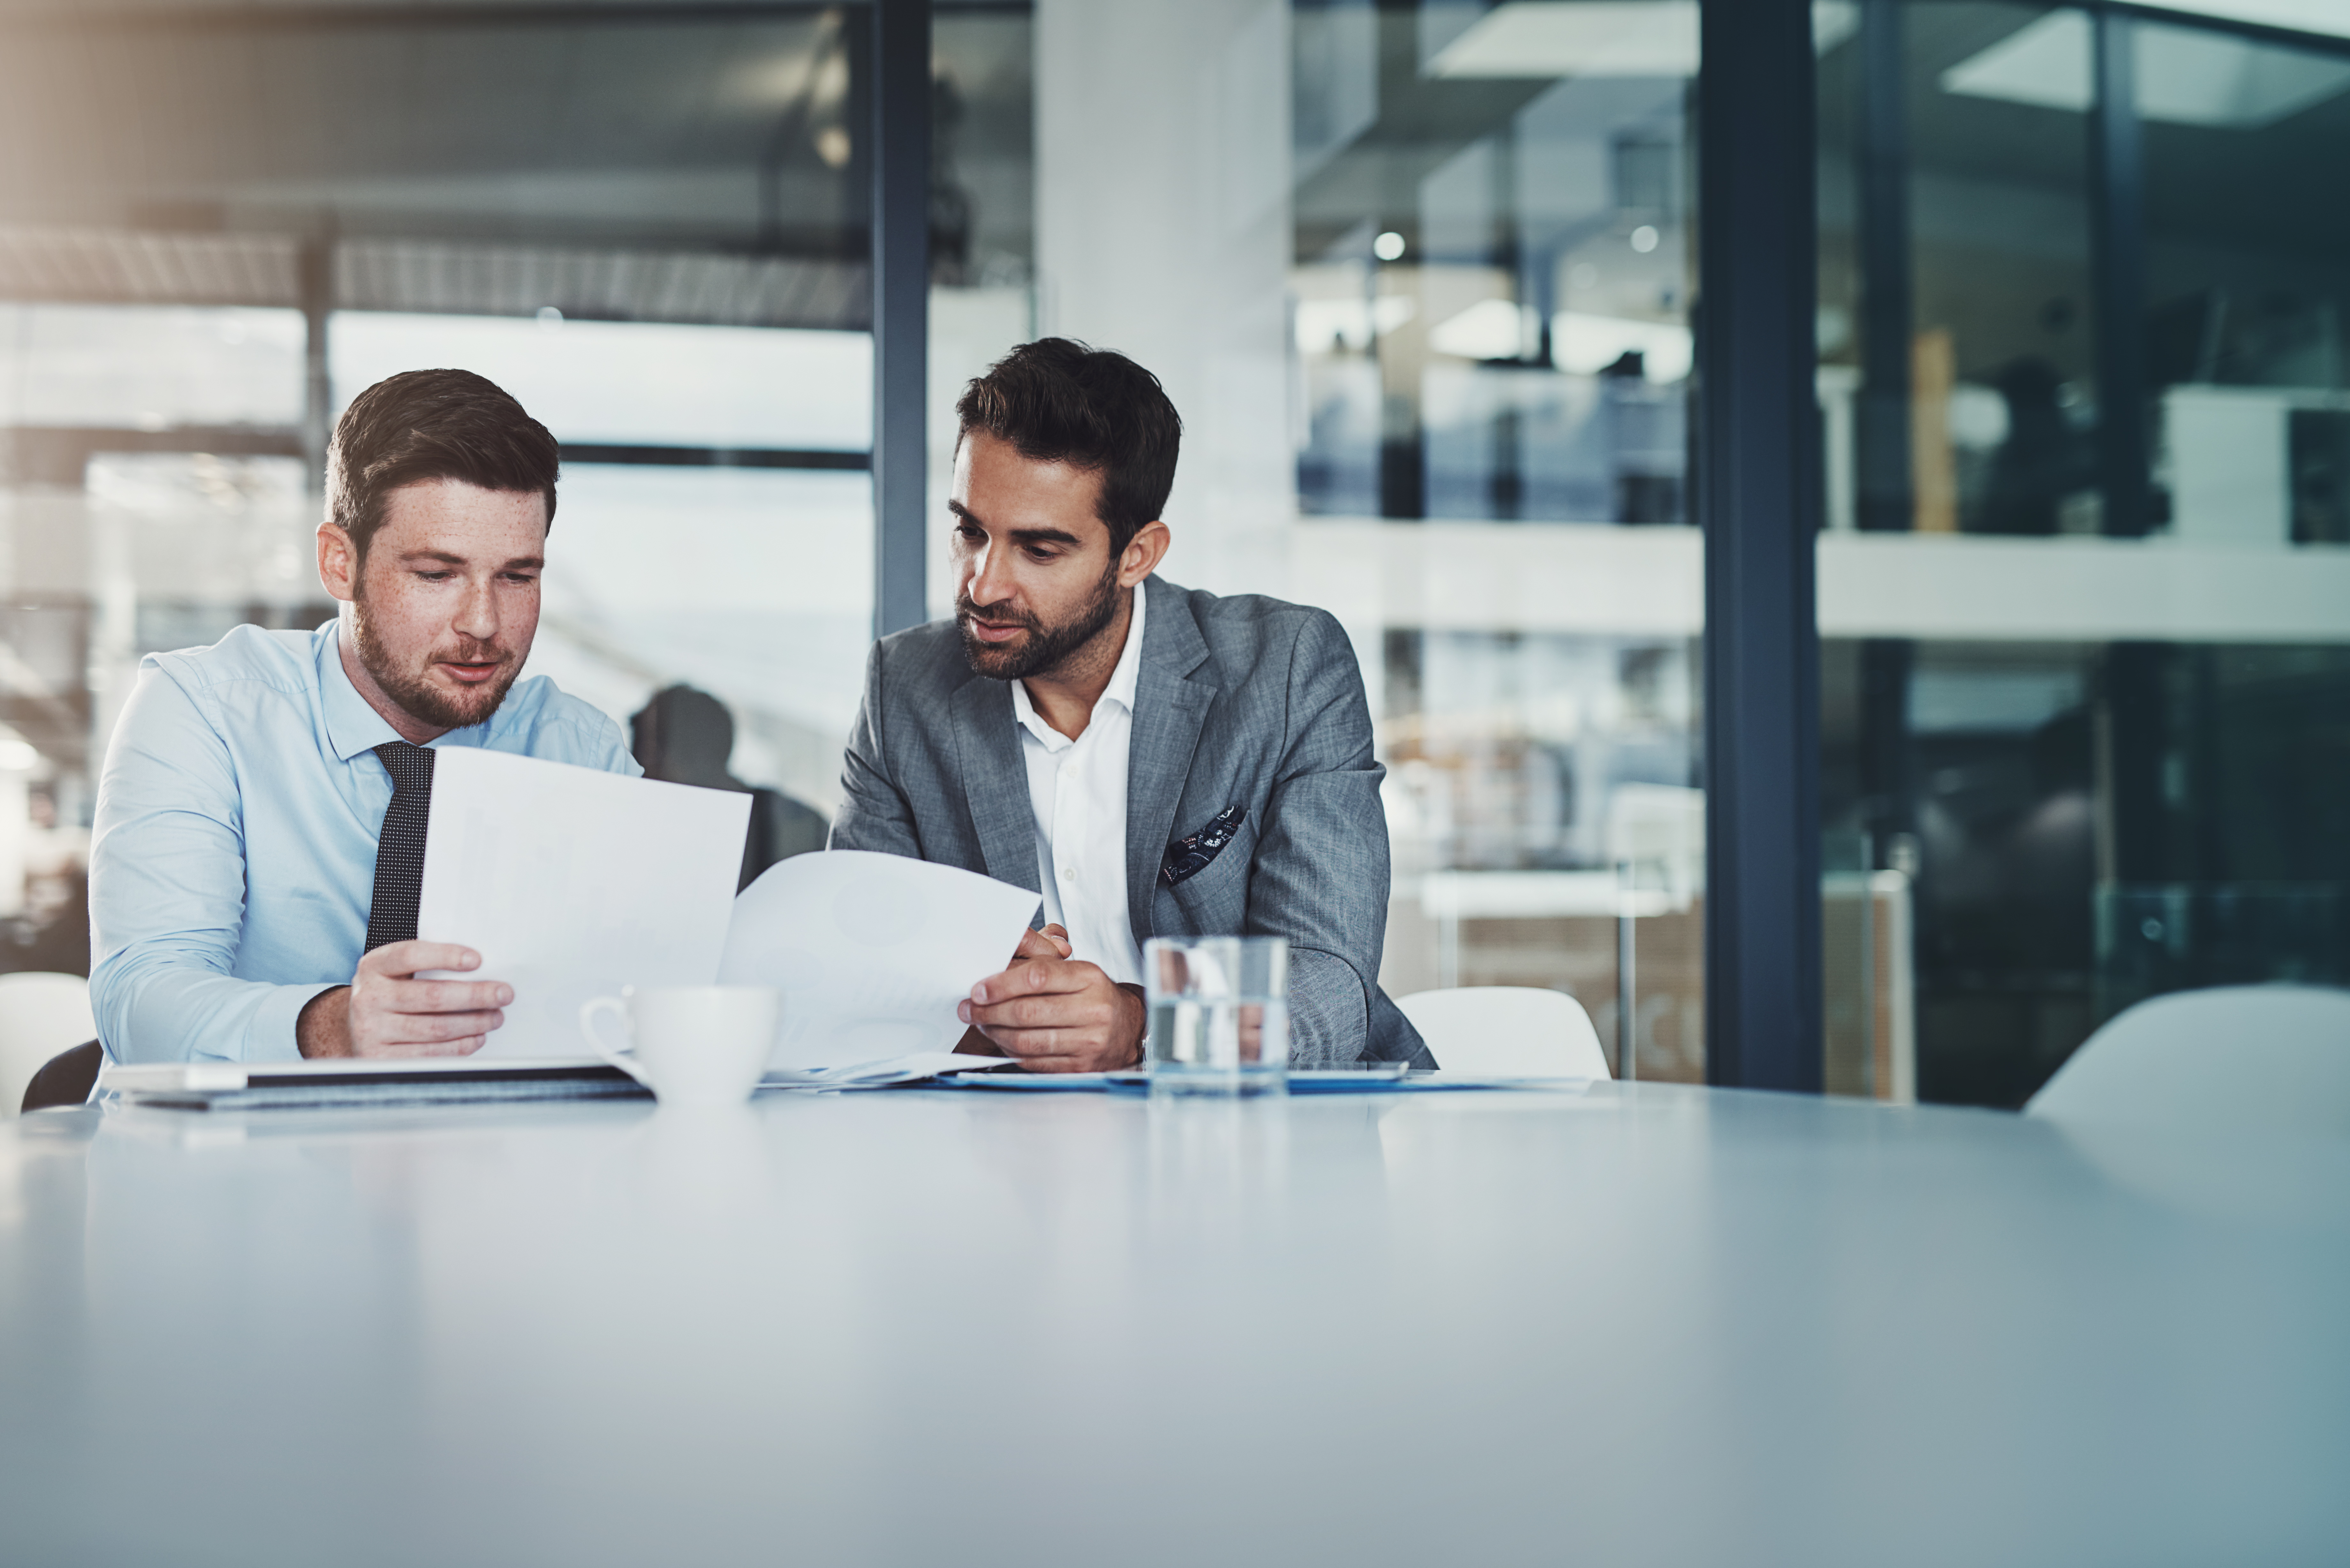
<point x="1123" y="682"/>
<point x="352" y="726"/>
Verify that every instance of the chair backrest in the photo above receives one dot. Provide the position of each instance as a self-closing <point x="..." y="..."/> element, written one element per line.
<point x="40" y="1015"/>
<point x="1507" y="1032"/>
<point x="2237" y="1059"/>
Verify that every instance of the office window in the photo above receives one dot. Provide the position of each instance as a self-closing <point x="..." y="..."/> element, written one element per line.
<point x="715" y="526"/>
<point x="1419" y="278"/>
<point x="149" y="367"/>
<point x="983" y="289"/>
<point x="651" y="230"/>
<point x="2085" y="603"/>
<point x="1491" y="280"/>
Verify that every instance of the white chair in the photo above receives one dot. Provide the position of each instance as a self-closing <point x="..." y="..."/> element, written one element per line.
<point x="2243" y="1059"/>
<point x="1507" y="1032"/>
<point x="40" y="1015"/>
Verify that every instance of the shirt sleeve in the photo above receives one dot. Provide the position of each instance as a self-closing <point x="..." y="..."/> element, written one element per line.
<point x="609" y="750"/>
<point x="167" y="896"/>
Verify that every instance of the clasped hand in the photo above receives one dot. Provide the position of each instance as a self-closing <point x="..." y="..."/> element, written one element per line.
<point x="386" y="1011"/>
<point x="1055" y="1013"/>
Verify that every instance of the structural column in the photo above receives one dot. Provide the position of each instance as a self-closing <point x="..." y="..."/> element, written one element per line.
<point x="1163" y="231"/>
<point x="2117" y="158"/>
<point x="314" y="263"/>
<point x="1758" y="489"/>
<point x="901" y="162"/>
<point x="1881" y="423"/>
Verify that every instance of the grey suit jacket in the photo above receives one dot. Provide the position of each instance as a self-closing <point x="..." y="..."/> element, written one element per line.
<point x="1242" y="701"/>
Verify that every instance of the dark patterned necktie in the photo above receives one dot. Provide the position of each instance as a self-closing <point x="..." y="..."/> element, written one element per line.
<point x="400" y="849"/>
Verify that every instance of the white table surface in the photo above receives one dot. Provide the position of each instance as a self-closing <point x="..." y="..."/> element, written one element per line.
<point x="1648" y="1325"/>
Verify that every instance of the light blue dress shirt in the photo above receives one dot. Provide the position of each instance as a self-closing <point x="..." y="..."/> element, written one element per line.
<point x="233" y="858"/>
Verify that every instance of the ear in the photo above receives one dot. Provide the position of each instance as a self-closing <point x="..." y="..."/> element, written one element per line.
<point x="339" y="563"/>
<point x="1143" y="552"/>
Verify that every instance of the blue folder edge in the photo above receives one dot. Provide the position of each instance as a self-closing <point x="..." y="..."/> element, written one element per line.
<point x="1300" y="1083"/>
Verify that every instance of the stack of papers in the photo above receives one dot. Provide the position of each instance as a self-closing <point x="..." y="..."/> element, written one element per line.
<point x="573" y="883"/>
<point x="882" y="1074"/>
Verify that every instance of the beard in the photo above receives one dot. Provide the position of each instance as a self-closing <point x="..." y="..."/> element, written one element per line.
<point x="412" y="689"/>
<point x="1045" y="647"/>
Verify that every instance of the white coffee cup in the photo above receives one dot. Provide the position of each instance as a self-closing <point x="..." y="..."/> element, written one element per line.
<point x="690" y="1044"/>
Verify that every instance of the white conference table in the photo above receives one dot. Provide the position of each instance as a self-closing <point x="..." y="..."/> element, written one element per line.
<point x="1652" y="1324"/>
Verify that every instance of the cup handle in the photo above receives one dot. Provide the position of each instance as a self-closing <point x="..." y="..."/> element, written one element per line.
<point x="588" y="1013"/>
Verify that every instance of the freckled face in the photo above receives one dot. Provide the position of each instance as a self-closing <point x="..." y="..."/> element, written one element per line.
<point x="446" y="603"/>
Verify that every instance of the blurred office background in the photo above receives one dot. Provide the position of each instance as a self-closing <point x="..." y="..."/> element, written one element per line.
<point x="1422" y="280"/>
<point x="2084" y="589"/>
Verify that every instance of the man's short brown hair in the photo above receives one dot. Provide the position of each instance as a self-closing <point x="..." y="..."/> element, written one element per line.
<point x="432" y="424"/>
<point x="1058" y="401"/>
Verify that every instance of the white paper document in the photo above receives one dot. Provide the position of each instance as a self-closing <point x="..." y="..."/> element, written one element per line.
<point x="871" y="952"/>
<point x="572" y="883"/>
<point x="880" y="1074"/>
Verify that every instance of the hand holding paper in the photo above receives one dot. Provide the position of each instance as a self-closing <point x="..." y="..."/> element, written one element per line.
<point x="391" y="1010"/>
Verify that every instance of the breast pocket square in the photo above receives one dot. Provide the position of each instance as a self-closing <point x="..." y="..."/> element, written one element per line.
<point x="1187" y="858"/>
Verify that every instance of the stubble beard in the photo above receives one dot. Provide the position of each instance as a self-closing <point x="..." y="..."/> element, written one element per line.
<point x="412" y="689"/>
<point x="1045" y="649"/>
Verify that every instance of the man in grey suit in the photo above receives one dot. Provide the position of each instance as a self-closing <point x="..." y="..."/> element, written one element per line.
<point x="1155" y="760"/>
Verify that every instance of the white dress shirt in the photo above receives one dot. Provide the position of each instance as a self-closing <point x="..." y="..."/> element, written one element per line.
<point x="1078" y="791"/>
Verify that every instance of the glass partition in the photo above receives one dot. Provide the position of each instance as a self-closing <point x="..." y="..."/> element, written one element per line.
<point x="650" y="229"/>
<point x="2084" y="604"/>
<point x="1419" y="278"/>
<point x="983" y="280"/>
<point x="702" y="536"/>
<point x="1491" y="282"/>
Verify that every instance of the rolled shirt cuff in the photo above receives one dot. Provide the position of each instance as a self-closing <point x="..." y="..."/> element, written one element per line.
<point x="269" y="1036"/>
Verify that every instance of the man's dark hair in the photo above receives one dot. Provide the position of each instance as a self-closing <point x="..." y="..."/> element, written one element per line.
<point x="432" y="424"/>
<point x="1056" y="400"/>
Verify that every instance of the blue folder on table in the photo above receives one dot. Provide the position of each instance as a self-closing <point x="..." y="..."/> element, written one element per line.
<point x="1381" y="1078"/>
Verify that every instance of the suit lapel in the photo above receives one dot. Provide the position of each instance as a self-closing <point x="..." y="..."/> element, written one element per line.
<point x="1170" y="704"/>
<point x="995" y="781"/>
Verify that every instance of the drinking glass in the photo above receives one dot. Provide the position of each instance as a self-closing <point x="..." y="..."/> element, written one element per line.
<point x="1219" y="1014"/>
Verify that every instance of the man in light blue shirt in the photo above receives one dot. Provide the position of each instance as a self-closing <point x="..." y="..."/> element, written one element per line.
<point x="260" y="832"/>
